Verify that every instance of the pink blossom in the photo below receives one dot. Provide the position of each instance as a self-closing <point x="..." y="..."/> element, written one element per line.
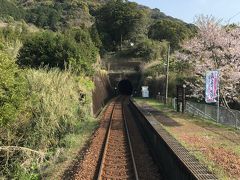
<point x="214" y="47"/>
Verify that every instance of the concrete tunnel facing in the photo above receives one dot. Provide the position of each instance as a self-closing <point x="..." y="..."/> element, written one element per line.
<point x="125" y="87"/>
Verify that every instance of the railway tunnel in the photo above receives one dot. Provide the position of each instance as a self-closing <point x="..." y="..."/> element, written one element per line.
<point x="125" y="87"/>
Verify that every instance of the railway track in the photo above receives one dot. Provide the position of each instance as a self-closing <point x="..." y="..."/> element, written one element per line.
<point x="146" y="151"/>
<point x="118" y="159"/>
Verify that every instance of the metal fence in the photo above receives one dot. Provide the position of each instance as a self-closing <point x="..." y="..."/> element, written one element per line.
<point x="170" y="101"/>
<point x="226" y="116"/>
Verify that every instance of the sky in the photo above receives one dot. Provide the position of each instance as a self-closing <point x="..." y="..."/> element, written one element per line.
<point x="187" y="10"/>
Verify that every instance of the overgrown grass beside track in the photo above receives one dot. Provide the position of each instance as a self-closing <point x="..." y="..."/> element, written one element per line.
<point x="55" y="122"/>
<point x="213" y="144"/>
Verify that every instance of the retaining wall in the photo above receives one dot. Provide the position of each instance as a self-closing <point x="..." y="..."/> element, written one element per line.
<point x="102" y="93"/>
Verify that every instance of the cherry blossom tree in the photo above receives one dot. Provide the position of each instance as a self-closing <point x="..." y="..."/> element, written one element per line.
<point x="214" y="47"/>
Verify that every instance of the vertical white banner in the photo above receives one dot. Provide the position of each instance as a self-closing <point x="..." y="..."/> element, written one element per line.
<point x="211" y="91"/>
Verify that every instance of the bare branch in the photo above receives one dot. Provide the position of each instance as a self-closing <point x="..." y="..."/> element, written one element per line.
<point x="24" y="149"/>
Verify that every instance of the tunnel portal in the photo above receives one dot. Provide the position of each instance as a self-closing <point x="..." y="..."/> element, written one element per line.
<point x="125" y="87"/>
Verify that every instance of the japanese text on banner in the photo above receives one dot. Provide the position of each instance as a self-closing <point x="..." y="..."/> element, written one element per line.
<point x="211" y="91"/>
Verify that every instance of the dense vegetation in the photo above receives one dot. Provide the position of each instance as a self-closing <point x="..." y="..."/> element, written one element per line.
<point x="31" y="136"/>
<point x="58" y="15"/>
<point x="121" y="23"/>
<point x="34" y="124"/>
<point x="118" y="21"/>
<point x="45" y="95"/>
<point x="12" y="90"/>
<point x="174" y="32"/>
<point x="10" y="10"/>
<point x="74" y="50"/>
<point x="45" y="16"/>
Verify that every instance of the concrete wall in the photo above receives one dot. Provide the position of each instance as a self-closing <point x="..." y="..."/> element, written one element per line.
<point x="102" y="93"/>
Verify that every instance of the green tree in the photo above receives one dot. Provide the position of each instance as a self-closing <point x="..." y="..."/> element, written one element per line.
<point x="45" y="16"/>
<point x="150" y="49"/>
<point x="45" y="49"/>
<point x="8" y="8"/>
<point x="12" y="90"/>
<point x="173" y="31"/>
<point x="117" y="20"/>
<point x="95" y="37"/>
<point x="87" y="51"/>
<point x="73" y="49"/>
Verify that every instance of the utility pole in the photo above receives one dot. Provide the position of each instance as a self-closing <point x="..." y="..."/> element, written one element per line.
<point x="121" y="42"/>
<point x="218" y="98"/>
<point x="167" y="72"/>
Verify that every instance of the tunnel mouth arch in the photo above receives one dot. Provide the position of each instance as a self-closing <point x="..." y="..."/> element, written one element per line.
<point x="125" y="87"/>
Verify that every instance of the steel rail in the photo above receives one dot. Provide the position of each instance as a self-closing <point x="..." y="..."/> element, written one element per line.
<point x="107" y="141"/>
<point x="130" y="145"/>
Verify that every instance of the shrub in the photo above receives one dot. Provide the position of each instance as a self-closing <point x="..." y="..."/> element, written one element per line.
<point x="44" y="16"/>
<point x="46" y="49"/>
<point x="9" y="9"/>
<point x="149" y="49"/>
<point x="172" y="31"/>
<point x="74" y="49"/>
<point x="12" y="90"/>
<point x="87" y="50"/>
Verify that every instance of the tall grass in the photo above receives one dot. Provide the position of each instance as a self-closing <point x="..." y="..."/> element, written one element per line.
<point x="59" y="104"/>
<point x="56" y="105"/>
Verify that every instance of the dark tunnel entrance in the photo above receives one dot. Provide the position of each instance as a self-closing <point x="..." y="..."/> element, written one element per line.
<point x="125" y="87"/>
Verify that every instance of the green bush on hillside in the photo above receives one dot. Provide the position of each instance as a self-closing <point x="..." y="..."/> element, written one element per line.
<point x="9" y="9"/>
<point x="149" y="49"/>
<point x="45" y="16"/>
<point x="12" y="90"/>
<point x="14" y="31"/>
<point x="46" y="49"/>
<point x="73" y="49"/>
<point x="172" y="31"/>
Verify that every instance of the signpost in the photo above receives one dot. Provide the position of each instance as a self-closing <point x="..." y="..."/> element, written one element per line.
<point x="181" y="97"/>
<point x="212" y="92"/>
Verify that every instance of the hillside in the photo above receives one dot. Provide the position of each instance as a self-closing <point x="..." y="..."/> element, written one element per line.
<point x="52" y="13"/>
<point x="114" y="23"/>
<point x="10" y="9"/>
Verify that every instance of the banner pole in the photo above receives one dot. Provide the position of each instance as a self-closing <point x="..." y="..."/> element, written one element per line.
<point x="218" y="108"/>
